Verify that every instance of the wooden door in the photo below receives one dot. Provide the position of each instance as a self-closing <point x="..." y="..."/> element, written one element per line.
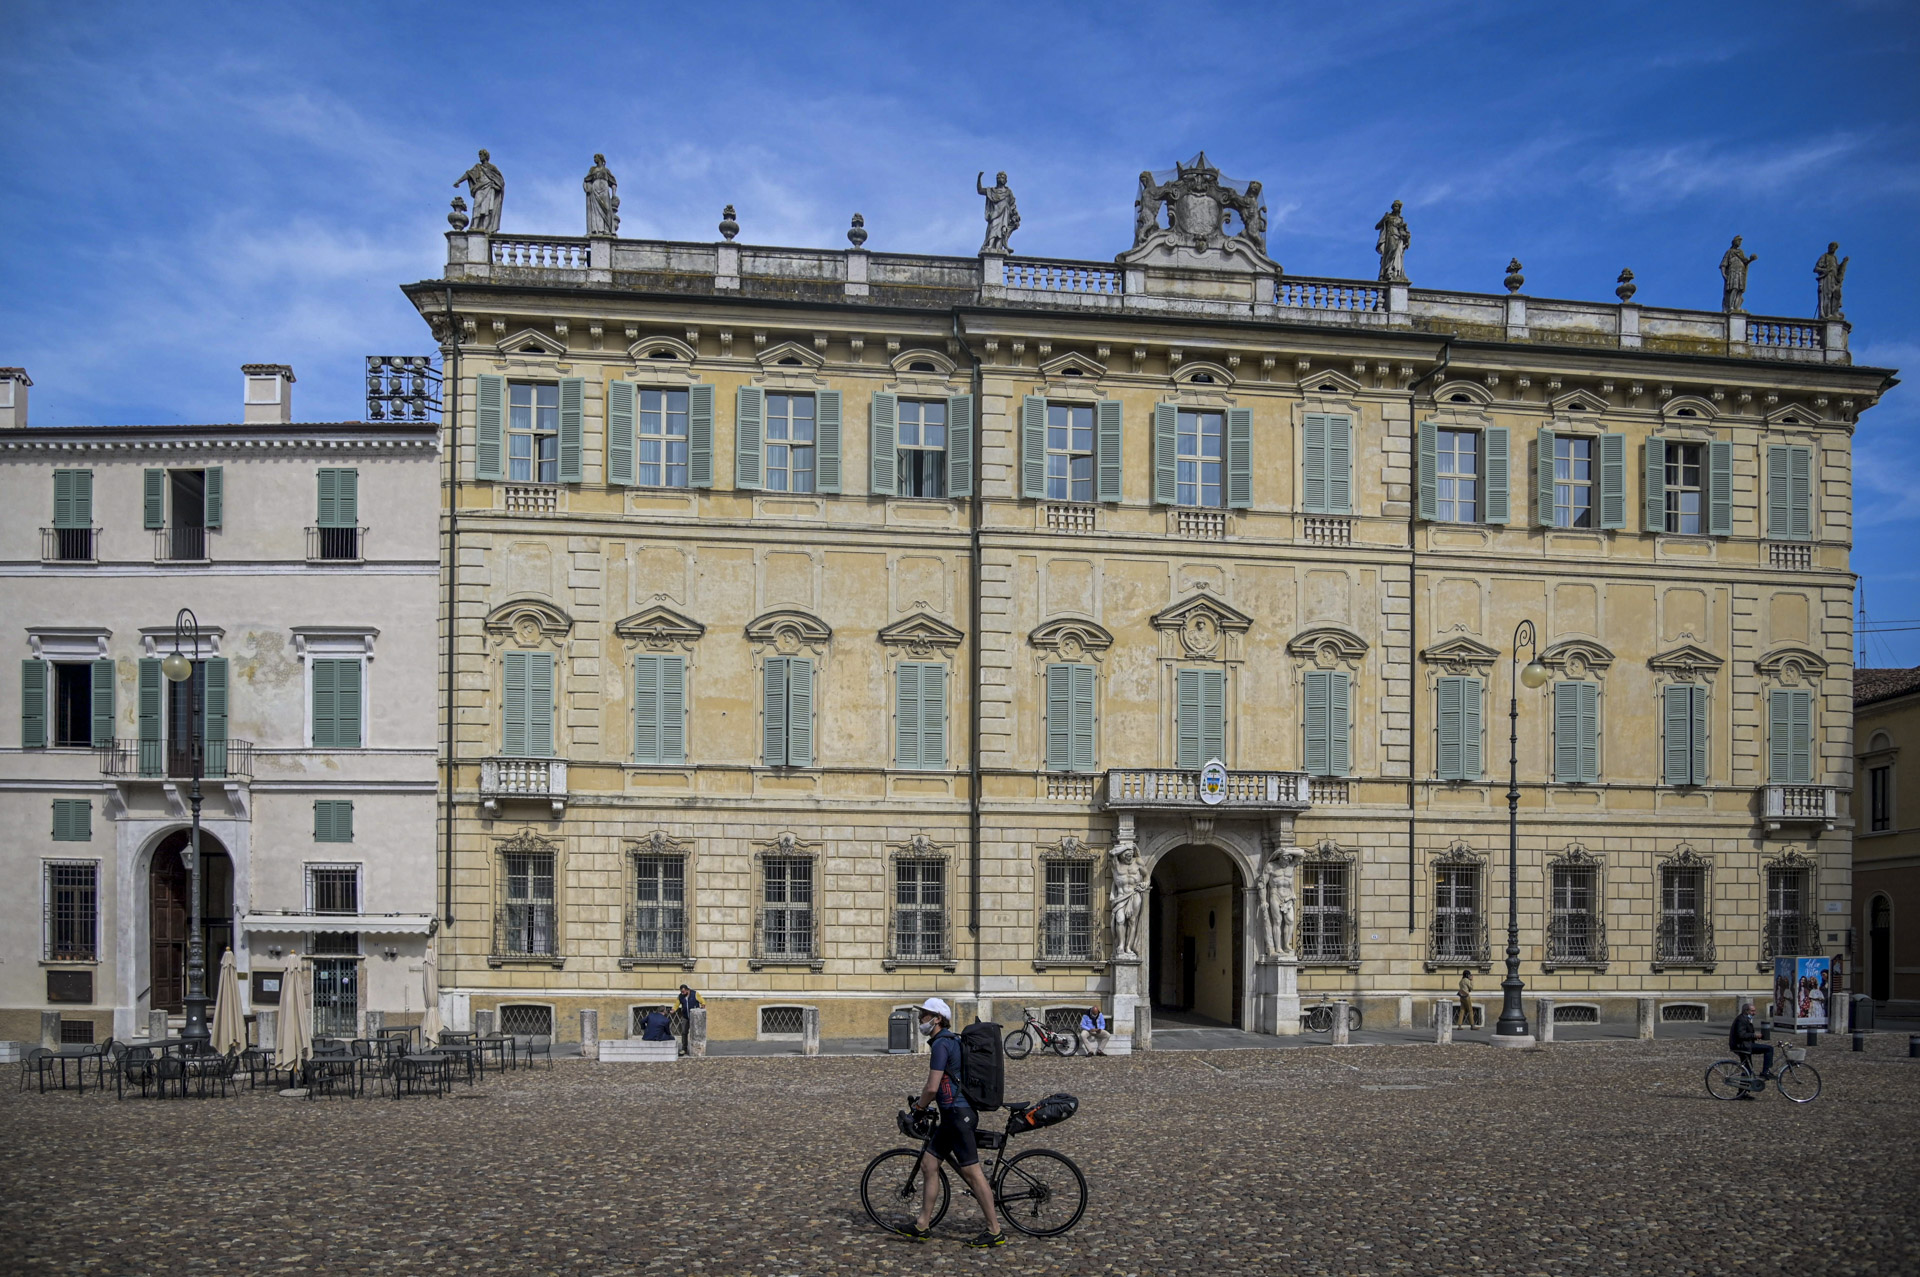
<point x="1189" y="971"/>
<point x="168" y="890"/>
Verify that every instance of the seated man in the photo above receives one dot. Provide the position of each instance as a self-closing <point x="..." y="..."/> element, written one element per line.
<point x="1093" y="1031"/>
<point x="1743" y="1040"/>
<point x="656" y="1027"/>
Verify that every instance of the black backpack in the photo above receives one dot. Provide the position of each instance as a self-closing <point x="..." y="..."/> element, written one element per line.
<point x="983" y="1068"/>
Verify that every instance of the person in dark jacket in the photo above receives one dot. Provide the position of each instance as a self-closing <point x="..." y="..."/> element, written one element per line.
<point x="656" y="1028"/>
<point x="1743" y="1038"/>
<point x="688" y="1001"/>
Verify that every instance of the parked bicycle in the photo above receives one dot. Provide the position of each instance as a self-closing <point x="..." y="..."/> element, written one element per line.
<point x="1731" y="1079"/>
<point x="1040" y="1192"/>
<point x="1019" y="1043"/>
<point x="1319" y="1019"/>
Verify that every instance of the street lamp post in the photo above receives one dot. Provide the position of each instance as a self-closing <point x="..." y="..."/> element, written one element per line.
<point x="1513" y="1017"/>
<point x="179" y="668"/>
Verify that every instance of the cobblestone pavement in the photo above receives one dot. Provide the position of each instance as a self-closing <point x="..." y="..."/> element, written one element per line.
<point x="1599" y="1157"/>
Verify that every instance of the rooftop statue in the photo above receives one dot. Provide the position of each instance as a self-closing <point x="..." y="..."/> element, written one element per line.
<point x="1830" y="271"/>
<point x="1003" y="215"/>
<point x="1198" y="201"/>
<point x="1392" y="244"/>
<point x="603" y="206"/>
<point x="488" y="188"/>
<point x="1733" y="270"/>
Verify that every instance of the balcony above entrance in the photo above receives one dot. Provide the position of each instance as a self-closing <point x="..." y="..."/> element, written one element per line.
<point x="1248" y="793"/>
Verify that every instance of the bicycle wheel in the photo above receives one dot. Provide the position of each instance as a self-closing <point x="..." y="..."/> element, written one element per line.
<point x="890" y="1190"/>
<point x="1018" y="1044"/>
<point x="1353" y="1018"/>
<point x="1041" y="1193"/>
<point x="1064" y="1044"/>
<point x="1726" y="1080"/>
<point x="1320" y="1020"/>
<point x="1799" y="1083"/>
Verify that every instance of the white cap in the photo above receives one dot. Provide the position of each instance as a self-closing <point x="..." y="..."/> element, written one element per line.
<point x="939" y="1007"/>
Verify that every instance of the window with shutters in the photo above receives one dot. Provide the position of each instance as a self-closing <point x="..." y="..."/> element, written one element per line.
<point x="1572" y="481"/>
<point x="528" y="921"/>
<point x="663" y="438"/>
<point x="657" y="916"/>
<point x="1789" y="492"/>
<point x="1686" y="491"/>
<point x="1458" y="727"/>
<point x="920" y="715"/>
<point x="180" y="506"/>
<point x="73" y="704"/>
<point x="1326" y="728"/>
<point x="919" y="921"/>
<point x="72" y="532"/>
<point x="921" y="448"/>
<point x="1071" y="717"/>
<point x="526" y="729"/>
<point x="1201" y="458"/>
<point x="1457" y="476"/>
<point x="1200" y="717"/>
<point x="333" y="820"/>
<point x="72" y="820"/>
<point x="1326" y="464"/>
<point x="787" y="931"/>
<point x="533" y="432"/>
<point x="333" y="888"/>
<point x="1576" y="733"/>
<point x="1790" y="736"/>
<point x="787" y="711"/>
<point x="72" y="911"/>
<point x="1067" y="932"/>
<point x="1683" y="734"/>
<point x="336" y="533"/>
<point x="1880" y="799"/>
<point x="659" y="708"/>
<point x="789" y="443"/>
<point x="338" y="702"/>
<point x="1070" y="452"/>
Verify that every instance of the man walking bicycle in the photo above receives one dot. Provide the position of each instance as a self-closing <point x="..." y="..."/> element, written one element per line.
<point x="954" y="1139"/>
<point x="1743" y="1039"/>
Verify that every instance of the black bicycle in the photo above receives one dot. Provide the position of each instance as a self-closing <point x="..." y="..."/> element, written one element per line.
<point x="1319" y="1019"/>
<point x="1019" y="1043"/>
<point x="1040" y="1192"/>
<point x="1731" y="1079"/>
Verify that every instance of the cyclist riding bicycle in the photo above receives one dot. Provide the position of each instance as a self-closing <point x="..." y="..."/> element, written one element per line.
<point x="1744" y="1040"/>
<point x="954" y="1138"/>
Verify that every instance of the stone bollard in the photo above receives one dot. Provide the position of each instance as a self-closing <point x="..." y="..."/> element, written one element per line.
<point x="589" y="1034"/>
<point x="1859" y="1041"/>
<point x="483" y="1022"/>
<point x="1142" y="1027"/>
<point x="157" y="1025"/>
<point x="1403" y="1011"/>
<point x="1340" y="1022"/>
<point x="697" y="1032"/>
<point x="50" y="1030"/>
<point x="376" y="1021"/>
<point x="810" y="1030"/>
<point x="1646" y="1019"/>
<point x="266" y="1024"/>
<point x="1443" y="1021"/>
<point x="1543" y="1019"/>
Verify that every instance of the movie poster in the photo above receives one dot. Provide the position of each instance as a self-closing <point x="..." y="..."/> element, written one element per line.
<point x="1802" y="989"/>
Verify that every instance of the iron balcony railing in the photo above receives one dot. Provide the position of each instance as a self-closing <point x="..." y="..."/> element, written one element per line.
<point x="169" y="760"/>
<point x="336" y="545"/>
<point x="69" y="545"/>
<point x="180" y="543"/>
<point x="1790" y="935"/>
<point x="1458" y="939"/>
<point x="526" y="930"/>
<point x="1576" y="939"/>
<point x="1683" y="942"/>
<point x="656" y="933"/>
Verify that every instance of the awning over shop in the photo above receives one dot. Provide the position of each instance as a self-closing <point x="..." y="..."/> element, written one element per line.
<point x="368" y="924"/>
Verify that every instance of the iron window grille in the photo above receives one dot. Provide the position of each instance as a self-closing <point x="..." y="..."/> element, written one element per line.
<point x="72" y="911"/>
<point x="1684" y="937"/>
<point x="527" y="1021"/>
<point x="787" y="926"/>
<point x="1791" y="928"/>
<point x="1329" y="928"/>
<point x="336" y="996"/>
<point x="334" y="944"/>
<point x="1063" y="1019"/>
<point x="917" y="923"/>
<point x="526" y="921"/>
<point x="1576" y="929"/>
<point x="657" y="912"/>
<point x="76" y="1032"/>
<point x="782" y="1022"/>
<point x="333" y="888"/>
<point x="637" y="1016"/>
<point x="1069" y="923"/>
<point x="1457" y="935"/>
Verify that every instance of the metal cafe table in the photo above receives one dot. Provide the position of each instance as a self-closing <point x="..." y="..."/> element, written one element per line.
<point x="79" y="1054"/>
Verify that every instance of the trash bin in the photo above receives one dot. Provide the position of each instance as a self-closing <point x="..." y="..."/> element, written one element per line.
<point x="1862" y="1013"/>
<point x="900" y="1032"/>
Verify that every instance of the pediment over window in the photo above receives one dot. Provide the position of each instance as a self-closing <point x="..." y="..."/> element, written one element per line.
<point x="1069" y="636"/>
<point x="1463" y="393"/>
<point x="1459" y="853"/>
<point x="1574" y="656"/>
<point x="1330" y="382"/>
<point x="1461" y="655"/>
<point x="1574" y="855"/>
<point x="1792" y="857"/>
<point x="1686" y="661"/>
<point x="1792" y="415"/>
<point x="659" y="627"/>
<point x="789" y="629"/>
<point x="1204" y="373"/>
<point x="1577" y="401"/>
<point x="519" y="342"/>
<point x="1327" y="644"/>
<point x="1073" y="365"/>
<point x="1202" y="628"/>
<point x="936" y="364"/>
<point x="920" y="634"/>
<point x="789" y="353"/>
<point x="1224" y="616"/>
<point x="662" y="348"/>
<point x="1792" y="663"/>
<point x="1685" y="857"/>
<point x="530" y="621"/>
<point x="527" y="842"/>
<point x="1688" y="408"/>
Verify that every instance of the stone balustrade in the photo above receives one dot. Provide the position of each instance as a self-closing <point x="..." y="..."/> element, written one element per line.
<point x="1783" y="805"/>
<point x="1062" y="277"/>
<point x="542" y="251"/>
<point x="536" y="778"/>
<point x="1328" y="294"/>
<point x="1166" y="788"/>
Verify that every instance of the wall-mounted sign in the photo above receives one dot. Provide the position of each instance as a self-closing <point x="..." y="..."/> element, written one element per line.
<point x="266" y="988"/>
<point x="1213" y="781"/>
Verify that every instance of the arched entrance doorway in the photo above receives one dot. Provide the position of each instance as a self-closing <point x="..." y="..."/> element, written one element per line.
<point x="1880" y="948"/>
<point x="169" y="902"/>
<point x="1197" y="911"/>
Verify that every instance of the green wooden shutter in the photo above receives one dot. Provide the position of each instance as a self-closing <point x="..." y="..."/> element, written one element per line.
<point x="1720" y="488"/>
<point x="1060" y="718"/>
<point x="1313" y="464"/>
<point x="621" y="412"/>
<point x="1240" y="458"/>
<point x="1543" y="478"/>
<point x="773" y="711"/>
<point x="513" y="703"/>
<point x="1166" y="454"/>
<point x="1613" y="481"/>
<point x="1326" y="739"/>
<point x="1339" y="724"/>
<point x="149" y="716"/>
<point x="1702" y="761"/>
<point x="349" y="498"/>
<point x="73" y="498"/>
<point x="83" y="498"/>
<point x="826" y="441"/>
<point x="1566" y="732"/>
<point x="1033" y="446"/>
<point x="1213" y="715"/>
<point x="933" y="715"/>
<point x="1339" y="465"/>
<point x="154" y="502"/>
<point x="906" y="715"/>
<point x="1796" y="716"/>
<point x="749" y="435"/>
<point x="1109" y="466"/>
<point x="1654" y="485"/>
<point x="1472" y="693"/>
<point x="72" y="820"/>
<point x="1676" y="714"/>
<point x="327" y="499"/>
<point x="573" y="411"/>
<point x="1428" y="465"/>
<point x="339" y="498"/>
<point x="489" y="426"/>
<point x="539" y="704"/>
<point x="1188" y="735"/>
<point x="216" y="497"/>
<point x="333" y="820"/>
<point x="213" y="708"/>
<point x="1800" y="492"/>
<point x="1589" y="699"/>
<point x="1499" y="504"/>
<point x="103" y="686"/>
<point x="659" y="708"/>
<point x="673" y="709"/>
<point x="700" y="436"/>
<point x="33" y="704"/>
<point x="322" y="820"/>
<point x="1450" y="762"/>
<point x="323" y="701"/>
<point x="959" y="445"/>
<point x="1779" y="499"/>
<point x="1084" y="711"/>
<point x="883" y="417"/>
<point x="799" y="712"/>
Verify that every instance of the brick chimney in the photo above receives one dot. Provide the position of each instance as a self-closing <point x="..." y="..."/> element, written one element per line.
<point x="269" y="397"/>
<point x="13" y="397"/>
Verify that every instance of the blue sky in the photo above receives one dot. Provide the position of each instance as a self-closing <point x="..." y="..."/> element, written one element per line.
<point x="192" y="187"/>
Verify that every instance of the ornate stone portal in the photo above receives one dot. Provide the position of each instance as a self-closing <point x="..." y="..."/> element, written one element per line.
<point x="1198" y="202"/>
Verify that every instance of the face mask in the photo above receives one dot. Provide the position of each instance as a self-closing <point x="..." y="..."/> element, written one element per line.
<point x="929" y="1027"/>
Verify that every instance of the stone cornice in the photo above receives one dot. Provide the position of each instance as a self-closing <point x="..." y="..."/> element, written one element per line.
<point x="223" y="440"/>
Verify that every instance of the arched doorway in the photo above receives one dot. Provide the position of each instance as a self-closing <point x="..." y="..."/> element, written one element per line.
<point x="1197" y="911"/>
<point x="169" y="902"/>
<point x="1880" y="948"/>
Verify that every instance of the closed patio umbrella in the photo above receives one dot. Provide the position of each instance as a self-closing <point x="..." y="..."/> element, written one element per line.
<point x="229" y="1020"/>
<point x="430" y="1023"/>
<point x="295" y="1043"/>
